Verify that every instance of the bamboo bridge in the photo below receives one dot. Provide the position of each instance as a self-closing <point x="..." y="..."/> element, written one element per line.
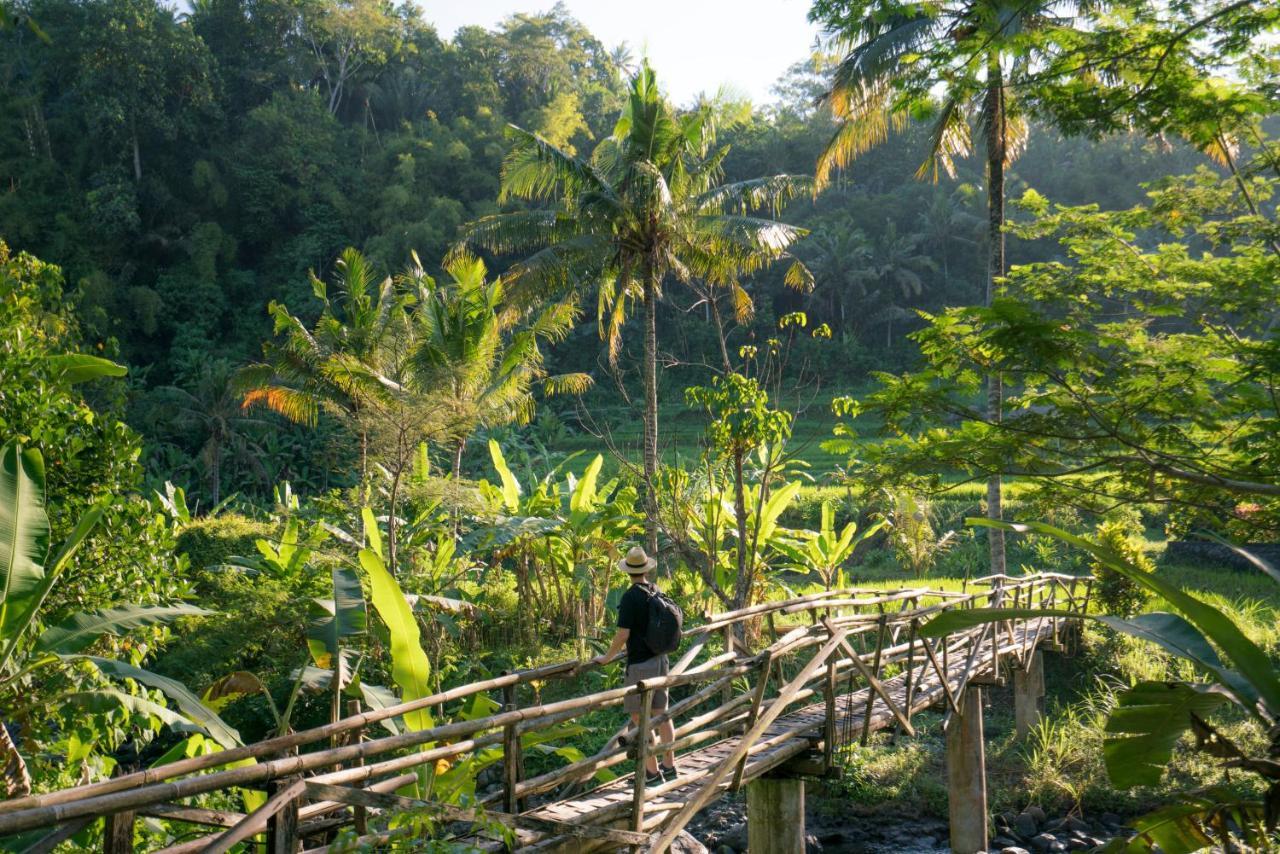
<point x="842" y="664"/>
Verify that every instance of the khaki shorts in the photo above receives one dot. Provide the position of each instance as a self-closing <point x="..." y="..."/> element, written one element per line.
<point x="651" y="669"/>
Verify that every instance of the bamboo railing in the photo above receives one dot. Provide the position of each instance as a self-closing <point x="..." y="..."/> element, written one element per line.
<point x="826" y="646"/>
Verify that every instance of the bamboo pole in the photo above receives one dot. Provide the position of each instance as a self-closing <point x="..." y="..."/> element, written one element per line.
<point x="756" y="700"/>
<point x="875" y="687"/>
<point x="512" y="758"/>
<point x="639" y="779"/>
<point x="256" y="821"/>
<point x="785" y="696"/>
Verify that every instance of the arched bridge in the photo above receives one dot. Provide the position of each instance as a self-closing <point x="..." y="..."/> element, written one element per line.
<point x="841" y="665"/>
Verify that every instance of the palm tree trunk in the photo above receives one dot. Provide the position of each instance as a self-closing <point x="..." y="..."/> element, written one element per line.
<point x="996" y="139"/>
<point x="457" y="458"/>
<point x="215" y="473"/>
<point x="651" y="411"/>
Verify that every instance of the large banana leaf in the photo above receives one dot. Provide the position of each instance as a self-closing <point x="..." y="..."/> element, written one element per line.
<point x="334" y="619"/>
<point x="79" y="630"/>
<point x="510" y="486"/>
<point x="72" y="368"/>
<point x="107" y="701"/>
<point x="1145" y="725"/>
<point x="24" y="532"/>
<point x="187" y="702"/>
<point x="409" y="666"/>
<point x="24" y="543"/>
<point x="1183" y="828"/>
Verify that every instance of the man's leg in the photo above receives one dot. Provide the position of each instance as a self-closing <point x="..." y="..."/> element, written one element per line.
<point x="650" y="760"/>
<point x="666" y="735"/>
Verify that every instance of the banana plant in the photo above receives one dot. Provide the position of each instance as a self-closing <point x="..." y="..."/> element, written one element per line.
<point x="1151" y="717"/>
<point x="410" y="668"/>
<point x="825" y="551"/>
<point x="287" y="559"/>
<point x="29" y="569"/>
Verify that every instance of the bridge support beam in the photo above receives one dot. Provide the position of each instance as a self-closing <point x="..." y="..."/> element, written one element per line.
<point x="966" y="776"/>
<point x="775" y="815"/>
<point x="1028" y="694"/>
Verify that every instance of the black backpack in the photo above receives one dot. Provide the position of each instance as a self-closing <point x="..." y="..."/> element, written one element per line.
<point x="666" y="623"/>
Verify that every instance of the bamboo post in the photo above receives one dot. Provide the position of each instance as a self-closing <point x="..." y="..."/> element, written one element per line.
<point x="871" y="688"/>
<point x="642" y="759"/>
<point x="909" y="689"/>
<point x="766" y="667"/>
<point x="282" y="826"/>
<point x="512" y="758"/>
<point x="117" y="832"/>
<point x="729" y="646"/>
<point x="829" y="725"/>
<point x="361" y="813"/>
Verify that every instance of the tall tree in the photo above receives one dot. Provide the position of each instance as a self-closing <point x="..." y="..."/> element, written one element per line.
<point x="951" y="62"/>
<point x="648" y="205"/>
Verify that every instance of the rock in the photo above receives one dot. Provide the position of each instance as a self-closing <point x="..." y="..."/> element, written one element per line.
<point x="1013" y="849"/>
<point x="725" y="849"/>
<point x="686" y="844"/>
<point x="1110" y="819"/>
<point x="1036" y="813"/>
<point x="1075" y="843"/>
<point x="1003" y="842"/>
<point x="1044" y="842"/>
<point x="831" y="837"/>
<point x="811" y="844"/>
<point x="1007" y="817"/>
<point x="736" y="838"/>
<point x="1075" y="824"/>
<point x="1025" y="826"/>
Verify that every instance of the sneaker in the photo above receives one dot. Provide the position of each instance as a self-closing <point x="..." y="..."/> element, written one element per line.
<point x="671" y="772"/>
<point x="654" y="778"/>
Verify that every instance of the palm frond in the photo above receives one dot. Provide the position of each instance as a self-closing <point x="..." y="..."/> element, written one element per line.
<point x="867" y="116"/>
<point x="560" y="384"/>
<point x="535" y="169"/>
<point x="771" y="193"/>
<point x="949" y="139"/>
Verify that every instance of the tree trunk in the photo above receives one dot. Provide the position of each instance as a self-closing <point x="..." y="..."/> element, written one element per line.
<point x="393" y="505"/>
<point x="742" y="590"/>
<point x="137" y="158"/>
<point x="457" y="458"/>
<point x="651" y="412"/>
<point x="215" y="473"/>
<point x="996" y="139"/>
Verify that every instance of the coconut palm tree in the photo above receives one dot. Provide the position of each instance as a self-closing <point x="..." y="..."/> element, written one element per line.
<point x="477" y="353"/>
<point x="894" y="269"/>
<point x="209" y="406"/>
<point x="950" y="61"/>
<point x="838" y="255"/>
<point x="648" y="205"/>
<point x="306" y="370"/>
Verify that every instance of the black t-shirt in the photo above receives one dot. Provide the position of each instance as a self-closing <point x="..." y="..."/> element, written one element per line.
<point x="633" y="614"/>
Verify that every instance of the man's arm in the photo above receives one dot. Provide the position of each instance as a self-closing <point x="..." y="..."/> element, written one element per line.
<point x="619" y="642"/>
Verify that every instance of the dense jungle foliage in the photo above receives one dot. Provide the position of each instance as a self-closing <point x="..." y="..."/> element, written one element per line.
<point x="340" y="362"/>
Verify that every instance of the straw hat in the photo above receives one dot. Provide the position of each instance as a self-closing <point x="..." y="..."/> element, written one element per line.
<point x="637" y="562"/>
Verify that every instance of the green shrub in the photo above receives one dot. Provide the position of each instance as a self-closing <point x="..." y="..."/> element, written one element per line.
<point x="1115" y="593"/>
<point x="208" y="542"/>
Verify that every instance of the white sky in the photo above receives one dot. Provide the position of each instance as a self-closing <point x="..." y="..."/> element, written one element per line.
<point x="694" y="45"/>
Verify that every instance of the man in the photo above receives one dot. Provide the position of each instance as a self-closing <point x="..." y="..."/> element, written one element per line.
<point x="642" y="662"/>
